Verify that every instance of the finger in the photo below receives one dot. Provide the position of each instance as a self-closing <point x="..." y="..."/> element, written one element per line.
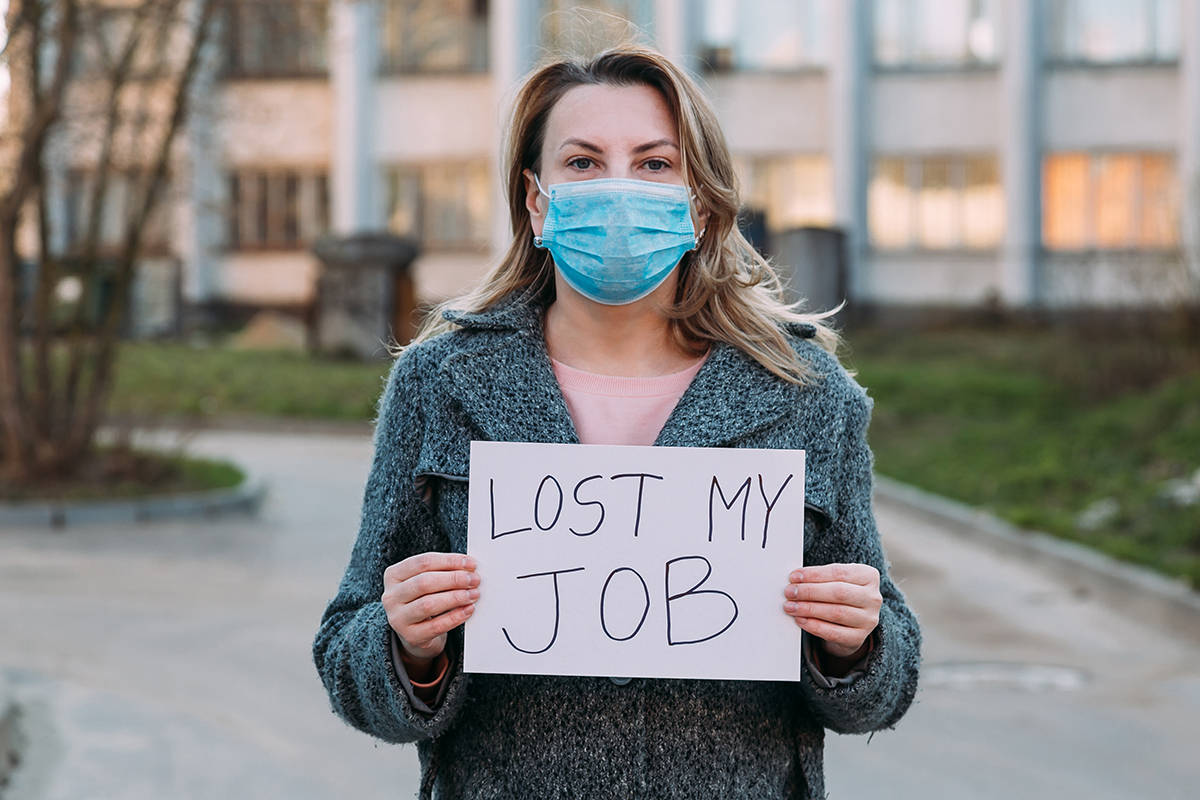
<point x="427" y="562"/>
<point x="432" y="583"/>
<point x="861" y="574"/>
<point x="829" y="612"/>
<point x="831" y="633"/>
<point x="847" y="594"/>
<point x="423" y="633"/>
<point x="431" y="605"/>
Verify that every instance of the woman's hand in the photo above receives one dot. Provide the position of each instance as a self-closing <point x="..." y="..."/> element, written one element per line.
<point x="838" y="603"/>
<point x="427" y="595"/>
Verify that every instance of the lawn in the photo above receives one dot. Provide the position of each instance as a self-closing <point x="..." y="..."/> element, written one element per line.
<point x="1036" y="425"/>
<point x="1039" y="425"/>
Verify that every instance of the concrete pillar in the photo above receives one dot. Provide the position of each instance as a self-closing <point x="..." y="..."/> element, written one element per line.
<point x="850" y="148"/>
<point x="671" y="33"/>
<point x="513" y="28"/>
<point x="353" y="62"/>
<point x="1189" y="141"/>
<point x="1020" y="281"/>
<point x="199" y="218"/>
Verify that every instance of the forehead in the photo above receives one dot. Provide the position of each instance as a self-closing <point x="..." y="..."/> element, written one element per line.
<point x="610" y="116"/>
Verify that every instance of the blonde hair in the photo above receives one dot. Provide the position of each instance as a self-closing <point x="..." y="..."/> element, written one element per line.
<point x="726" y="290"/>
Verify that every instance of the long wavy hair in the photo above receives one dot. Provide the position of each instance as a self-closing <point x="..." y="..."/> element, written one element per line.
<point x="726" y="290"/>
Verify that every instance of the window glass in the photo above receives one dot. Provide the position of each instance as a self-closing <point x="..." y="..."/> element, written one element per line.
<point x="280" y="209"/>
<point x="435" y="35"/>
<point x="1109" y="201"/>
<point x="937" y="202"/>
<point x="276" y="38"/>
<point x="890" y="204"/>
<point x="1114" y="31"/>
<point x="123" y="195"/>
<point x="765" y="34"/>
<point x="936" y="32"/>
<point x="444" y="205"/>
<point x="792" y="190"/>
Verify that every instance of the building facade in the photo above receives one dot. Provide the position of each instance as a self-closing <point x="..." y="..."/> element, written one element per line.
<point x="1038" y="153"/>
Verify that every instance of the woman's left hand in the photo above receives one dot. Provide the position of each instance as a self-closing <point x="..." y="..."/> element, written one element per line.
<point x="838" y="603"/>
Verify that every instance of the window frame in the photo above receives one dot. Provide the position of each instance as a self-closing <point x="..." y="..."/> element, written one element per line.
<point x="907" y="65"/>
<point x="1053" y="58"/>
<point x="914" y="165"/>
<point x="388" y="66"/>
<point x="275" y="210"/>
<point x="231" y="44"/>
<point x="389" y="175"/>
<point x="1094" y="158"/>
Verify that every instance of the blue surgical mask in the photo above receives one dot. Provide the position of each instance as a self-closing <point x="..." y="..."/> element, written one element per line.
<point x="616" y="240"/>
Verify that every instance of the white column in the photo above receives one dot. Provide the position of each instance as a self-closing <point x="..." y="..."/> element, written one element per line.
<point x="850" y="149"/>
<point x="1189" y="141"/>
<point x="352" y="65"/>
<point x="200" y="217"/>
<point x="513" y="29"/>
<point x="1020" y="268"/>
<point x="671" y="30"/>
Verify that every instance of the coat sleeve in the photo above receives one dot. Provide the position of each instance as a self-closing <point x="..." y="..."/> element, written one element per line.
<point x="880" y="696"/>
<point x="352" y="648"/>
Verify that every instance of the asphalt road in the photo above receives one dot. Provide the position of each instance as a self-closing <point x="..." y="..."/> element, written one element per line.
<point x="172" y="661"/>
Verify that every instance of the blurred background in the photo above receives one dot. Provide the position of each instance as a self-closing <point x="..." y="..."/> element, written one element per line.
<point x="217" y="213"/>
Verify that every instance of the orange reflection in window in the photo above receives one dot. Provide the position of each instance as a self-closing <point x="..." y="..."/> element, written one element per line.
<point x="1064" y="201"/>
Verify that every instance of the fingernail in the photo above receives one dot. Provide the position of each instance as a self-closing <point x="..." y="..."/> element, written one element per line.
<point x="796" y="576"/>
<point x="469" y="562"/>
<point x="473" y="594"/>
<point x="473" y="579"/>
<point x="790" y="607"/>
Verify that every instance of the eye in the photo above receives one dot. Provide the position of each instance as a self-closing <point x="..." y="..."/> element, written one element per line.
<point x="580" y="162"/>
<point x="657" y="165"/>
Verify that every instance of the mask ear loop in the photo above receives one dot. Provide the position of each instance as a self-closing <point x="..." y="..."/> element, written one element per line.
<point x="692" y="197"/>
<point x="537" y="240"/>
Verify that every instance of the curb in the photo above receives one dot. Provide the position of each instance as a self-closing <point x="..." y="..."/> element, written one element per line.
<point x="1138" y="590"/>
<point x="246" y="496"/>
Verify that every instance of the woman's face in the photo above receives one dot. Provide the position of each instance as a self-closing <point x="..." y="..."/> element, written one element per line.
<point x="604" y="131"/>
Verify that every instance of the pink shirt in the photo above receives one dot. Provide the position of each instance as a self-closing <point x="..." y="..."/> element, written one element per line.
<point x="609" y="409"/>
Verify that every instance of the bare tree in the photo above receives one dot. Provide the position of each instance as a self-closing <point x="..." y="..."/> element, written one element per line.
<point x="81" y="66"/>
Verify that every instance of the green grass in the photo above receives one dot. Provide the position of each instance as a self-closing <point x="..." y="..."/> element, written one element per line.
<point x="1036" y="425"/>
<point x="175" y="380"/>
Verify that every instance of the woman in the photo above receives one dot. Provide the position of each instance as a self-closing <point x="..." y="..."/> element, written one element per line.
<point x="628" y="309"/>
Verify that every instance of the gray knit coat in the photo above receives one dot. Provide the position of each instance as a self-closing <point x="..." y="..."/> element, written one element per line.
<point x="535" y="737"/>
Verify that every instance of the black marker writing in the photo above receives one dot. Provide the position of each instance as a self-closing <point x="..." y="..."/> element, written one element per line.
<point x="641" y="476"/>
<point x="770" y="504"/>
<point x="600" y="521"/>
<point x="693" y="591"/>
<point x="645" y="609"/>
<point x="492" y="498"/>
<point x="537" y="503"/>
<point x="715" y="488"/>
<point x="554" y="635"/>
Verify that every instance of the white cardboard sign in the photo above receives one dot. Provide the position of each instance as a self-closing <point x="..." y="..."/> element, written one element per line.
<point x="656" y="562"/>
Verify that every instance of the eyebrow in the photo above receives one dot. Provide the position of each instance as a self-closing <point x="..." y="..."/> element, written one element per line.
<point x="641" y="148"/>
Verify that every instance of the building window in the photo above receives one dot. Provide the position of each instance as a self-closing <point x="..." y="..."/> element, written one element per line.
<point x="278" y="209"/>
<point x="1109" y="201"/>
<point x="936" y="202"/>
<point x="568" y="25"/>
<point x="446" y="206"/>
<point x="276" y="38"/>
<point x="937" y="33"/>
<point x="1114" y="31"/>
<point x="122" y="200"/>
<point x="792" y="190"/>
<point x="105" y="33"/>
<point x="765" y="35"/>
<point x="434" y="35"/>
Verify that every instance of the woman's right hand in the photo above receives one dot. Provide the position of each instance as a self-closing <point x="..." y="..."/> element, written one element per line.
<point x="427" y="595"/>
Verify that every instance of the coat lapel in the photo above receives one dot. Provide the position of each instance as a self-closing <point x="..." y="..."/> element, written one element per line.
<point x="505" y="383"/>
<point x="503" y="379"/>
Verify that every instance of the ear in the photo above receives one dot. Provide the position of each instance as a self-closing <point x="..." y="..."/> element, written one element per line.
<point x="535" y="203"/>
<point x="699" y="216"/>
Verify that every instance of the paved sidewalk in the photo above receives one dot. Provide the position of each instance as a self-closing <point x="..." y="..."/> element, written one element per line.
<point x="173" y="660"/>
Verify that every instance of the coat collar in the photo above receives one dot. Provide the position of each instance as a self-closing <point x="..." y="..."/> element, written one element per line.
<point x="505" y="383"/>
